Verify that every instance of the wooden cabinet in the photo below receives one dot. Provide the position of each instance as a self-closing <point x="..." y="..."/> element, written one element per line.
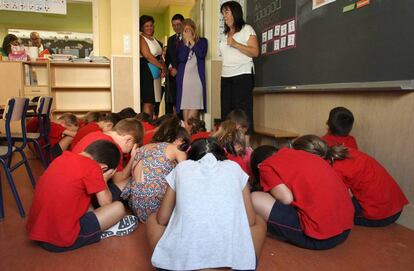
<point x="81" y="87"/>
<point x="11" y="80"/>
<point x="75" y="87"/>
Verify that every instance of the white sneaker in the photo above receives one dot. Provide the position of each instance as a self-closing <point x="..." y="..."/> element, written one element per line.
<point x="124" y="227"/>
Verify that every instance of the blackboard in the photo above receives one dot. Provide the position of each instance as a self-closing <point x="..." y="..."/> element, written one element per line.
<point x="363" y="47"/>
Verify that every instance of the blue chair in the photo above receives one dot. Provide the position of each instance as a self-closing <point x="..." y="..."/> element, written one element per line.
<point x="15" y="111"/>
<point x="44" y="106"/>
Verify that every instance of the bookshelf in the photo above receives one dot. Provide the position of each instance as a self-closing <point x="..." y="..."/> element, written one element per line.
<point x="81" y="87"/>
<point x="75" y="87"/>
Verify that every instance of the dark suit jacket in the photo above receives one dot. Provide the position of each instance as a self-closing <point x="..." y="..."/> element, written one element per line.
<point x="172" y="53"/>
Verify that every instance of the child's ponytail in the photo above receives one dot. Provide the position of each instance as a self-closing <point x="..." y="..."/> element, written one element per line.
<point x="315" y="145"/>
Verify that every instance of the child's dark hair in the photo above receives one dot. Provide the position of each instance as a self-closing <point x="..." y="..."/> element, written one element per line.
<point x="92" y="116"/>
<point x="127" y="112"/>
<point x="340" y="121"/>
<point x="196" y="125"/>
<point x="258" y="156"/>
<point x="170" y="130"/>
<point x="202" y="146"/>
<point x="69" y="119"/>
<point x="144" y="117"/>
<point x="161" y="119"/>
<point x="316" y="145"/>
<point x="239" y="117"/>
<point x="104" y="152"/>
<point x="230" y="138"/>
<point x="112" y="117"/>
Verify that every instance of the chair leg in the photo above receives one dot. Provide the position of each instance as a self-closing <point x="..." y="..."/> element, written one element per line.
<point x="13" y="188"/>
<point x="9" y="160"/>
<point x="28" y="169"/>
<point x="1" y="203"/>
<point x="40" y="153"/>
<point x="48" y="155"/>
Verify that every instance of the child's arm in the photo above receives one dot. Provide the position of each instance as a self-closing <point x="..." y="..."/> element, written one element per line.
<point x="104" y="197"/>
<point x="251" y="215"/>
<point x="69" y="132"/>
<point x="122" y="176"/>
<point x="282" y="193"/>
<point x="167" y="207"/>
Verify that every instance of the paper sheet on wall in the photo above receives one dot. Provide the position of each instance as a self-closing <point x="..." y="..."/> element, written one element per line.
<point x="319" y="3"/>
<point x="39" y="6"/>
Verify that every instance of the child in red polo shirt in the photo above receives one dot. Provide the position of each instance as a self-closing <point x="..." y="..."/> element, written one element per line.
<point x="307" y="205"/>
<point x="59" y="219"/>
<point x="233" y="142"/>
<point x="377" y="198"/>
<point x="197" y="129"/>
<point x="61" y="133"/>
<point x="127" y="136"/>
<point x="104" y="124"/>
<point x="340" y="124"/>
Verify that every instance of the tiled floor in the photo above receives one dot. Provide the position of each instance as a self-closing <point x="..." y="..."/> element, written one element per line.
<point x="390" y="248"/>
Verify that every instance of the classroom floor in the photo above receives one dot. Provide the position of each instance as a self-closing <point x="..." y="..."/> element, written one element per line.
<point x="390" y="248"/>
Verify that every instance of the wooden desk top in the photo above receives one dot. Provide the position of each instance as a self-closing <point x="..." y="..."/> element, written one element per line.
<point x="276" y="133"/>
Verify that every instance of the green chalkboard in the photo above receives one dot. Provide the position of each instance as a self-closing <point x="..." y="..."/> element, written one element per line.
<point x="371" y="44"/>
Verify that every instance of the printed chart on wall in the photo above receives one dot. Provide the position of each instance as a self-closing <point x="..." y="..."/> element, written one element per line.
<point x="39" y="6"/>
<point x="275" y="23"/>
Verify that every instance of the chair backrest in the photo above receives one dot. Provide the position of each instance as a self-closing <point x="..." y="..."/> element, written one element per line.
<point x="44" y="106"/>
<point x="15" y="111"/>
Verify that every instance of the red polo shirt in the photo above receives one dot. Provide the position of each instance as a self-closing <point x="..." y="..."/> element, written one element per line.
<point x="372" y="186"/>
<point x="62" y="196"/>
<point x="322" y="200"/>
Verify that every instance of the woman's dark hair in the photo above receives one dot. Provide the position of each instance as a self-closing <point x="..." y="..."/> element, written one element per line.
<point x="258" y="156"/>
<point x="340" y="121"/>
<point x="316" y="145"/>
<point x="8" y="39"/>
<point x="168" y="131"/>
<point x="202" y="146"/>
<point x="196" y="125"/>
<point x="104" y="152"/>
<point x="143" y="19"/>
<point x="237" y="12"/>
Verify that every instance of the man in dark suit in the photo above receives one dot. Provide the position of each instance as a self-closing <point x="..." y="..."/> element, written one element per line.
<point x="171" y="62"/>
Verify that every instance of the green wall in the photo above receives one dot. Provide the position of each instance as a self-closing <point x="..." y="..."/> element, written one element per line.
<point x="77" y="19"/>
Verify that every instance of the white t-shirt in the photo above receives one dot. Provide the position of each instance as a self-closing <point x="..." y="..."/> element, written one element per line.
<point x="234" y="61"/>
<point x="209" y="227"/>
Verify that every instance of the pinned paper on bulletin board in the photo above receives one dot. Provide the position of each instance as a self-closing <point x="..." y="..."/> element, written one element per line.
<point x="319" y="3"/>
<point x="39" y="6"/>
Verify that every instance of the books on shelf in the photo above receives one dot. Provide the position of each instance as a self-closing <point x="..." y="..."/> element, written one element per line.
<point x="62" y="57"/>
<point x="30" y="76"/>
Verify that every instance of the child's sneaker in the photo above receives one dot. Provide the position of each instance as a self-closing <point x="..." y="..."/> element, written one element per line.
<point x="124" y="227"/>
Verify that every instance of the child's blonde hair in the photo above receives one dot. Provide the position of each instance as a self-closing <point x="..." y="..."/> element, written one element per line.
<point x="231" y="138"/>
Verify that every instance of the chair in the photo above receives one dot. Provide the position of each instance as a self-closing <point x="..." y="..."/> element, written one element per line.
<point x="15" y="111"/>
<point x="44" y="106"/>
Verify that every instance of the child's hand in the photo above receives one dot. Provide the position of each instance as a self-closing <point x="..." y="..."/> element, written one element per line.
<point x="134" y="150"/>
<point x="107" y="175"/>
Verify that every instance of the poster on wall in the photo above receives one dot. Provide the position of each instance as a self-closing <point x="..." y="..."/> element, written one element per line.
<point x="220" y="32"/>
<point x="39" y="6"/>
<point x="319" y="3"/>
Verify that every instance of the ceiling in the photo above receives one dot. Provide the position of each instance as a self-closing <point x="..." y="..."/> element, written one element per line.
<point x="159" y="6"/>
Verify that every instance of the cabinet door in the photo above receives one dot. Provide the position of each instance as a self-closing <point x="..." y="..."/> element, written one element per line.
<point x="11" y="80"/>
